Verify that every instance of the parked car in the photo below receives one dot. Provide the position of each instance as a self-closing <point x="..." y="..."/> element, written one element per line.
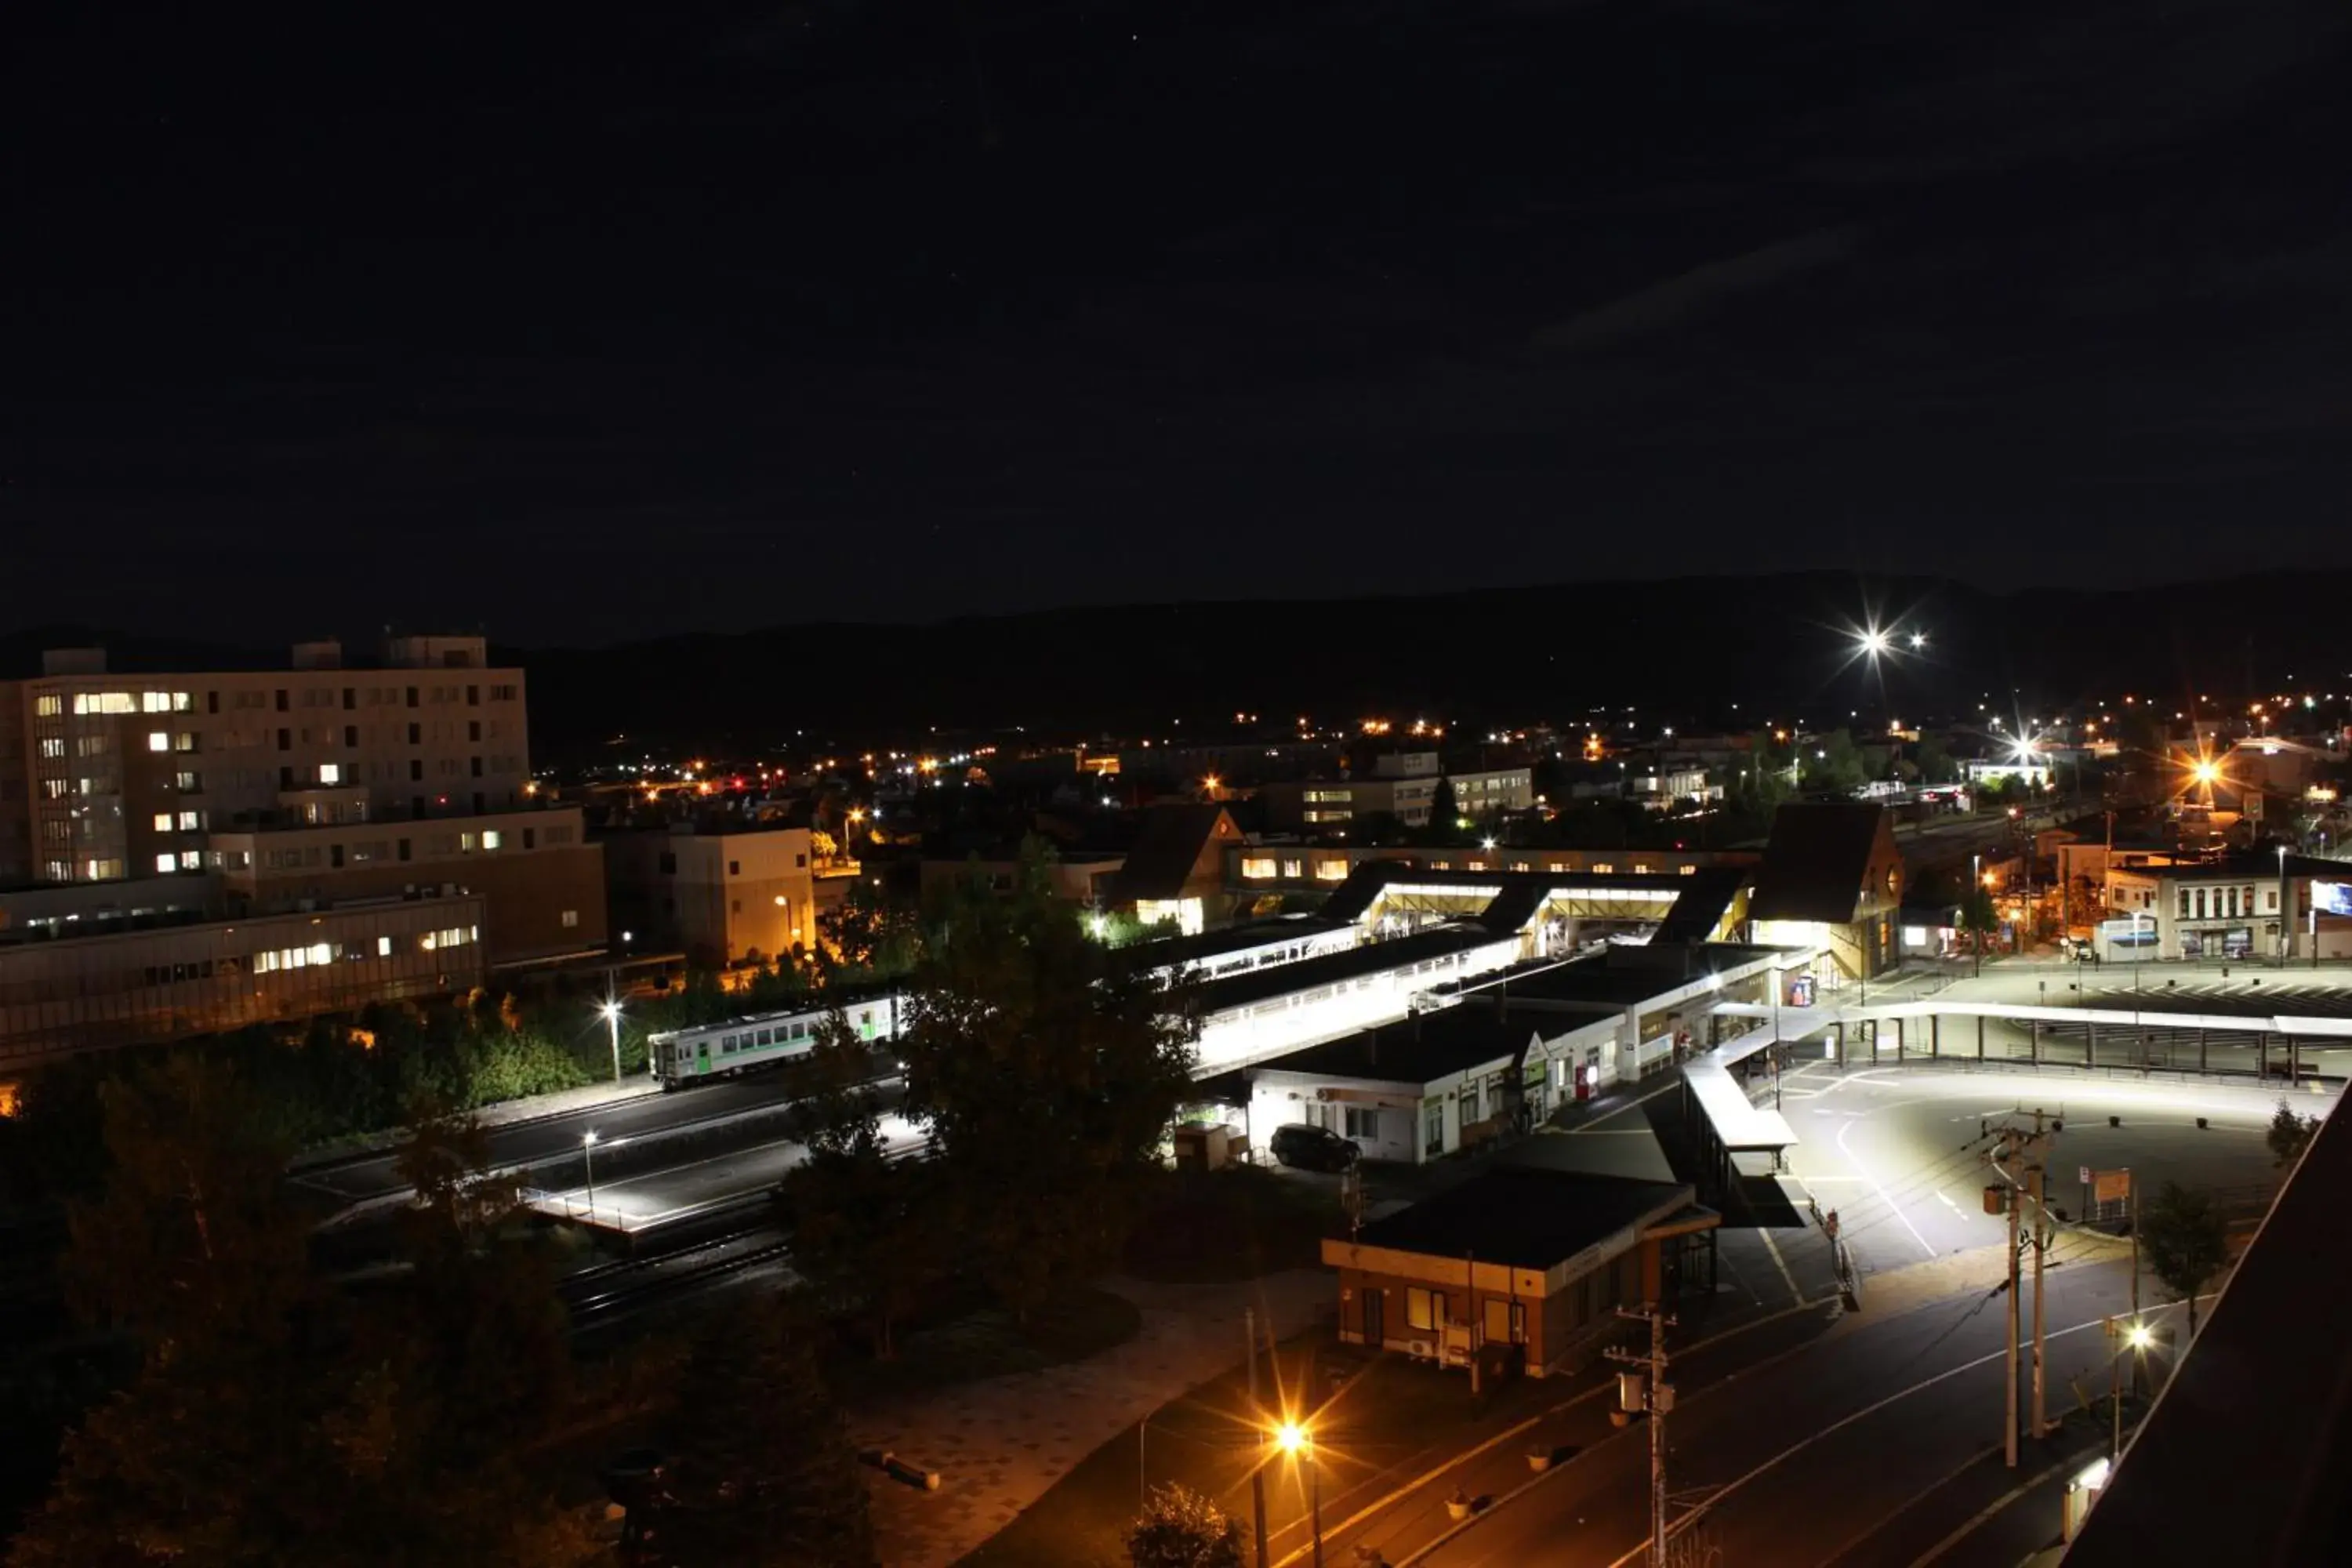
<point x="1314" y="1148"/>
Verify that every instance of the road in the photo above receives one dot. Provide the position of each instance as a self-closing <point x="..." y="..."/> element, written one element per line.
<point x="1862" y="1447"/>
<point x="1823" y="1439"/>
<point x="1895" y="1151"/>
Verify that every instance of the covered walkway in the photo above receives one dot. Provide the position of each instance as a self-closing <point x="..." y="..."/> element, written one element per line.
<point x="1728" y="1123"/>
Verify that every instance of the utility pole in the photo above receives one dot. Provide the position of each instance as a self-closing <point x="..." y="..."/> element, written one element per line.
<point x="1657" y="1397"/>
<point x="2011" y="1142"/>
<point x="2040" y="1248"/>
<point x="1257" y="1471"/>
<point x="2008" y="1424"/>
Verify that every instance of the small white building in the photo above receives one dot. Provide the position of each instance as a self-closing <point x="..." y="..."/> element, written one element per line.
<point x="1435" y="1083"/>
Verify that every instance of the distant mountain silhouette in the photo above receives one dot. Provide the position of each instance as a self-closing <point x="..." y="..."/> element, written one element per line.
<point x="1699" y="650"/>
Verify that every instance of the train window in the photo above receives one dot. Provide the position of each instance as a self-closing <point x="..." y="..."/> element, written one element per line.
<point x="800" y="1031"/>
<point x="767" y="1036"/>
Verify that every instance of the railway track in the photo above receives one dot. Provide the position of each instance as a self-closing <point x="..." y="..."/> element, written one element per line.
<point x="611" y="1290"/>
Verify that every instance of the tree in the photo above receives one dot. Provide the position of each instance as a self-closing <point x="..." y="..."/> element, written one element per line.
<point x="764" y="1472"/>
<point x="1445" y="815"/>
<point x="1936" y="764"/>
<point x="2185" y="1242"/>
<point x="870" y="1234"/>
<point x="1835" y="765"/>
<point x="1046" y="1067"/>
<point x="1179" y="1528"/>
<point x="275" y="1420"/>
<point x="2289" y="1135"/>
<point x="866" y="935"/>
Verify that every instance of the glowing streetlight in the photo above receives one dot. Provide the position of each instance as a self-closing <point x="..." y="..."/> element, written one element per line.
<point x="1873" y="642"/>
<point x="611" y="1013"/>
<point x="1299" y="1442"/>
<point x="588" y="1152"/>
<point x="1918" y="641"/>
<point x="1488" y="842"/>
<point x="2205" y="770"/>
<point x="2140" y="1336"/>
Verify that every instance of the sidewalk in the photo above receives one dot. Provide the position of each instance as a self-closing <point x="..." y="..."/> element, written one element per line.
<point x="1000" y="1445"/>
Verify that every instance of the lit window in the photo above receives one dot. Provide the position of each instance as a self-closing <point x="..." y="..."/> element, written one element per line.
<point x="191" y="859"/>
<point x="162" y="863"/>
<point x="51" y="707"/>
<point x="163" y="822"/>
<point x="383" y="947"/>
<point x="320" y="953"/>
<point x="330" y="772"/>
<point x="465" y="842"/>
<point x="188" y="822"/>
<point x="571" y="918"/>
<point x="1257" y="864"/>
<point x="491" y="839"/>
<point x="158" y="740"/>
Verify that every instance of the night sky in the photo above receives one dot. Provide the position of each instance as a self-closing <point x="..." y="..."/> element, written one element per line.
<point x="594" y="322"/>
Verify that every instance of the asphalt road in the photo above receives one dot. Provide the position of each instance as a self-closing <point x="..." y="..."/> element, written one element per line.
<point x="1872" y="1439"/>
<point x="1866" y="1446"/>
<point x="1897" y="1151"/>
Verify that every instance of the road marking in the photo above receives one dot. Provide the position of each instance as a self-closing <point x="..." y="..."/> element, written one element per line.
<point x="1947" y="1201"/>
<point x="1408" y="1488"/>
<point x="1881" y="1189"/>
<point x="1798" y="1447"/>
<point x="1985" y="1516"/>
<point x="1789" y="1279"/>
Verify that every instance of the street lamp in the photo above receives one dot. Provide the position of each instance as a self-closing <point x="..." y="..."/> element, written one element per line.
<point x="1918" y="640"/>
<point x="588" y="1152"/>
<point x="611" y="1013"/>
<point x="1976" y="893"/>
<point x="1299" y="1443"/>
<point x="1873" y="642"/>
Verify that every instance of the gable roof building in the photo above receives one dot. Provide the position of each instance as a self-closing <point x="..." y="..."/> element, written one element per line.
<point x="1831" y="874"/>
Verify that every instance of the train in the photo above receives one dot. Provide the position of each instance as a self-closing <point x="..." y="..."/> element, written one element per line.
<point x="682" y="1056"/>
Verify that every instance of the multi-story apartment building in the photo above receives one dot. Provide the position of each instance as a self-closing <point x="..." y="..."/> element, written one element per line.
<point x="719" y="892"/>
<point x="273" y="792"/>
<point x="124" y="775"/>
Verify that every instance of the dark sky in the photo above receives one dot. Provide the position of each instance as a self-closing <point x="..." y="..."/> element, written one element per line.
<point x="593" y="321"/>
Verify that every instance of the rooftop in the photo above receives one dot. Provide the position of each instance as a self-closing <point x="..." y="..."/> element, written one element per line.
<point x="1526" y="1216"/>
<point x="1420" y="1050"/>
<point x="1210" y="944"/>
<point x="1308" y="973"/>
<point x="1622" y="976"/>
<point x="1816" y="860"/>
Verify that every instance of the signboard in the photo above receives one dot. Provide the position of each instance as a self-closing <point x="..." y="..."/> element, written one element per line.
<point x="2086" y="1176"/>
<point x="1800" y="988"/>
<point x="2250" y="805"/>
<point x="2237" y="941"/>
<point x="2110" y="1186"/>
<point x="2332" y="898"/>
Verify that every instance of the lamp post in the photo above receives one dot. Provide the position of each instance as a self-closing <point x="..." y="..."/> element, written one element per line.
<point x="2286" y="909"/>
<point x="1294" y="1439"/>
<point x="588" y="1152"/>
<point x="2136" y="915"/>
<point x="1976" y="891"/>
<point x="610" y="1012"/>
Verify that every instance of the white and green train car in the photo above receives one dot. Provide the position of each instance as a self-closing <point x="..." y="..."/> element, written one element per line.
<point x="682" y="1056"/>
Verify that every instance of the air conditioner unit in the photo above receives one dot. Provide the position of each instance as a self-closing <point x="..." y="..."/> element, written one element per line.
<point x="1422" y="1348"/>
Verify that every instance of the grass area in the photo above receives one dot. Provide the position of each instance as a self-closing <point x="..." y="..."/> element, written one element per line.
<point x="971" y="1338"/>
<point x="1208" y="1227"/>
<point x="1388" y="1421"/>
